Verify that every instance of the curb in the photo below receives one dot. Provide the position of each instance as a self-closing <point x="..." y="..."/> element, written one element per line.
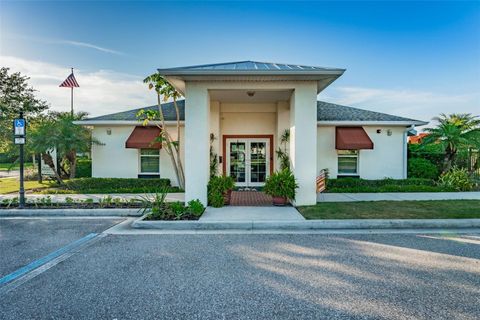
<point x="69" y="213"/>
<point x="310" y="224"/>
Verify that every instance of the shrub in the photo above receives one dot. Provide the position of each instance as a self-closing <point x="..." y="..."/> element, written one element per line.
<point x="422" y="168"/>
<point x="196" y="208"/>
<point x="384" y="185"/>
<point x="84" y="168"/>
<point x="161" y="210"/>
<point x="217" y="187"/>
<point x="457" y="179"/>
<point x="281" y="184"/>
<point x="118" y="185"/>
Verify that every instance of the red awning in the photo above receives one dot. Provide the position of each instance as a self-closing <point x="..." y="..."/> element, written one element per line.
<point x="352" y="138"/>
<point x="142" y="138"/>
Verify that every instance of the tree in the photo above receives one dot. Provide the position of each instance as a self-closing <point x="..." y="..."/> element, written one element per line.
<point x="454" y="132"/>
<point x="57" y="131"/>
<point x="164" y="89"/>
<point x="15" y="96"/>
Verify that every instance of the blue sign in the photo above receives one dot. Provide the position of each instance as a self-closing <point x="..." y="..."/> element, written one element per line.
<point x="19" y="127"/>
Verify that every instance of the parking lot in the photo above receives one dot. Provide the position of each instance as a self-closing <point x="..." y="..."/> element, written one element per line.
<point x="239" y="276"/>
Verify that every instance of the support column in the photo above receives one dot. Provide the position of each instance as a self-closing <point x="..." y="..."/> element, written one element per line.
<point x="197" y="135"/>
<point x="303" y="142"/>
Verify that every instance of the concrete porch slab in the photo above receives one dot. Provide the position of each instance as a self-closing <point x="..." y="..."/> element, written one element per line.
<point x="251" y="214"/>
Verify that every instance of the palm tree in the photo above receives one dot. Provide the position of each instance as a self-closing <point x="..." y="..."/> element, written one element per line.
<point x="60" y="133"/>
<point x="457" y="131"/>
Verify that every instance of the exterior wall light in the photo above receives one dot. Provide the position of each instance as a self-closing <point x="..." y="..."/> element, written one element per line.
<point x="109" y="131"/>
<point x="250" y="93"/>
<point x="389" y="132"/>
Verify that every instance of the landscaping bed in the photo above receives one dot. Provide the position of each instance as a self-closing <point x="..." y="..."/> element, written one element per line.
<point x="157" y="209"/>
<point x="106" y="202"/>
<point x="437" y="209"/>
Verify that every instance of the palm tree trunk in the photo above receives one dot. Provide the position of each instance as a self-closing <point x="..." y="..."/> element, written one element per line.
<point x="72" y="159"/>
<point x="49" y="161"/>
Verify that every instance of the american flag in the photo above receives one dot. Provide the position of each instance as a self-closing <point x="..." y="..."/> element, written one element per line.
<point x="70" y="82"/>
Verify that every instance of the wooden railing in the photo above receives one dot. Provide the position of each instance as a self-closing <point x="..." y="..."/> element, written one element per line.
<point x="321" y="181"/>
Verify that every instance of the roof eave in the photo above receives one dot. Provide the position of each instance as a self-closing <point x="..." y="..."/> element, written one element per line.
<point x="172" y="72"/>
<point x="371" y="123"/>
<point x="177" y="78"/>
<point x="121" y="122"/>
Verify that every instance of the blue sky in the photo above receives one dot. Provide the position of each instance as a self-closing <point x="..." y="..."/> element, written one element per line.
<point x="408" y="58"/>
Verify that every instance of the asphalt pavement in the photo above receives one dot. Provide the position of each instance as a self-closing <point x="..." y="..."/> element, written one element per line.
<point x="297" y="276"/>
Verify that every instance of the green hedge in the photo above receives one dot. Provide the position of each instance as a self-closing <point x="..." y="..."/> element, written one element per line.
<point x="422" y="168"/>
<point x="118" y="185"/>
<point x="84" y="168"/>
<point x="344" y="185"/>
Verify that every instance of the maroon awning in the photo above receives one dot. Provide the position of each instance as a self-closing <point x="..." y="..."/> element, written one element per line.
<point x="352" y="138"/>
<point x="143" y="138"/>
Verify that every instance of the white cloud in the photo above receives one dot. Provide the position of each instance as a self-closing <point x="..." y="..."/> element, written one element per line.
<point x="100" y="92"/>
<point x="88" y="45"/>
<point x="422" y="105"/>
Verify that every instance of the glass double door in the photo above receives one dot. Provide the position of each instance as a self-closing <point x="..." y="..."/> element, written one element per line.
<point x="248" y="161"/>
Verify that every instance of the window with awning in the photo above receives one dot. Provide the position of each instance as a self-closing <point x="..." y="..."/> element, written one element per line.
<point x="352" y="138"/>
<point x="143" y="138"/>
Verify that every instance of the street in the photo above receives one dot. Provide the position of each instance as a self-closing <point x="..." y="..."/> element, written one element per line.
<point x="239" y="276"/>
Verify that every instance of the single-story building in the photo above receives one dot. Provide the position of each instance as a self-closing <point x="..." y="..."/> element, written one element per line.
<point x="246" y="107"/>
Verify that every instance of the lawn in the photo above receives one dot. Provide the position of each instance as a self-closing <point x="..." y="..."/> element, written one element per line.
<point x="9" y="185"/>
<point x="438" y="209"/>
<point x="16" y="166"/>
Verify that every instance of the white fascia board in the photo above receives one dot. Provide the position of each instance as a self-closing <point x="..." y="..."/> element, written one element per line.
<point x="167" y="72"/>
<point x="121" y="123"/>
<point x="371" y="123"/>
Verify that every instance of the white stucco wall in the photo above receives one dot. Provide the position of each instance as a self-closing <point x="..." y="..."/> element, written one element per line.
<point x="386" y="160"/>
<point x="247" y="119"/>
<point x="113" y="160"/>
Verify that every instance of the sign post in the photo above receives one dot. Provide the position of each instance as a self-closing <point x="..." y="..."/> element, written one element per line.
<point x="19" y="138"/>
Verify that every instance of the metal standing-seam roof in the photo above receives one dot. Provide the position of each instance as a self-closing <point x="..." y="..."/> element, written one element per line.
<point x="251" y="66"/>
<point x="325" y="112"/>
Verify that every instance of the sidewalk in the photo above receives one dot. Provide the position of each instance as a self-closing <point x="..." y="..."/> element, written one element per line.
<point x="397" y="196"/>
<point x="322" y="197"/>
<point x="171" y="197"/>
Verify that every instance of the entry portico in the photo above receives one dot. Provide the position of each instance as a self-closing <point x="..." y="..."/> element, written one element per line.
<point x="243" y="104"/>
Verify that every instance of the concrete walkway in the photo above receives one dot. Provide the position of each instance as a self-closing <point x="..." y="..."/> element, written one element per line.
<point x="322" y="197"/>
<point x="251" y="214"/>
<point x="55" y="198"/>
<point x="397" y="196"/>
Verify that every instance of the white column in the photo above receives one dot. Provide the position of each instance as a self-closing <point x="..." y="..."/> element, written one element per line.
<point x="303" y="141"/>
<point x="197" y="113"/>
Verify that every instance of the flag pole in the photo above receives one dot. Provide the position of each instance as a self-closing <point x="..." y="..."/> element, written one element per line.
<point x="71" y="100"/>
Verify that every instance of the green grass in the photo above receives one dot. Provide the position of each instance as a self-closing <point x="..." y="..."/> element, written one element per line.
<point x="16" y="166"/>
<point x="438" y="209"/>
<point x="9" y="185"/>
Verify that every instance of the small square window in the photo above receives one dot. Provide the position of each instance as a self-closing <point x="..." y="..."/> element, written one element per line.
<point x="347" y="162"/>
<point x="149" y="161"/>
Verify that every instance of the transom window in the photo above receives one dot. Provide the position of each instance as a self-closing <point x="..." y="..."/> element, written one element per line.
<point x="149" y="161"/>
<point x="347" y="162"/>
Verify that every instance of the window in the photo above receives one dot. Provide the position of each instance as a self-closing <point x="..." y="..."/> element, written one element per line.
<point x="149" y="161"/>
<point x="347" y="162"/>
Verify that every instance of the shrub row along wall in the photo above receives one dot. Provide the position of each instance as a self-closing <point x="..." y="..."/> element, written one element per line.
<point x="117" y="185"/>
<point x="385" y="185"/>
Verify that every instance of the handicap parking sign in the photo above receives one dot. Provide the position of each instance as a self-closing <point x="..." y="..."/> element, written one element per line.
<point x="19" y="127"/>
